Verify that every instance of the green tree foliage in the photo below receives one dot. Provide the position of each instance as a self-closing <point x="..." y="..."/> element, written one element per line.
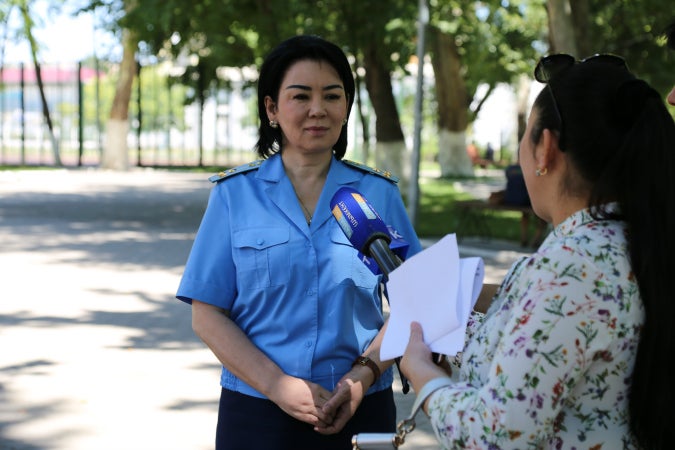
<point x="628" y="28"/>
<point x="631" y="29"/>
<point x="496" y="40"/>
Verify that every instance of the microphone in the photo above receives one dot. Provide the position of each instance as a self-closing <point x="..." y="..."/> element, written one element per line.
<point x="380" y="246"/>
<point x="371" y="237"/>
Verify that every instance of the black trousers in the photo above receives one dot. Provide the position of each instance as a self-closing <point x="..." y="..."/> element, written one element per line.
<point x="251" y="423"/>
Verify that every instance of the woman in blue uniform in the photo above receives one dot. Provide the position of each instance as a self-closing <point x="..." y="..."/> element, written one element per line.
<point x="277" y="292"/>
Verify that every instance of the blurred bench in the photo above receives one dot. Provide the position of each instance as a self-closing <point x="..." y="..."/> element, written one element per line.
<point x="474" y="214"/>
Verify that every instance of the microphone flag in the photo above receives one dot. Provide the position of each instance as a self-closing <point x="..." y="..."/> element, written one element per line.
<point x="362" y="225"/>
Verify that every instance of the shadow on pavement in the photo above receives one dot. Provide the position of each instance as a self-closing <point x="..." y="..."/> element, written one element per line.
<point x="96" y="351"/>
<point x="95" y="348"/>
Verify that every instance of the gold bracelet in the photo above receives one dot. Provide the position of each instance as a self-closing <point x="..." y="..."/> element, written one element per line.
<point x="367" y="362"/>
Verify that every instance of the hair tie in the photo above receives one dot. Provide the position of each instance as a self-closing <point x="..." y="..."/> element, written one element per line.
<point x="630" y="99"/>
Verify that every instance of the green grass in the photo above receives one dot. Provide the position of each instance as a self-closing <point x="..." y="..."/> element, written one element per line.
<point x="439" y="216"/>
<point x="27" y="167"/>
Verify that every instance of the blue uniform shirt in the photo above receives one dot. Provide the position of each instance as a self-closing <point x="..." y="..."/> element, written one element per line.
<point x="299" y="292"/>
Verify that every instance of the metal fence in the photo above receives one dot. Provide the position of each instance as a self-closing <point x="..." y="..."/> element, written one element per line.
<point x="163" y="131"/>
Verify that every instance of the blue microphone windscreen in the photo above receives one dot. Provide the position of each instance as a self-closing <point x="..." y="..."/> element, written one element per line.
<point x="357" y="218"/>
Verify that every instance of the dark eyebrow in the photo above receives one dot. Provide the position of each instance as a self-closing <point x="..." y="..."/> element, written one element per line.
<point x="307" y="88"/>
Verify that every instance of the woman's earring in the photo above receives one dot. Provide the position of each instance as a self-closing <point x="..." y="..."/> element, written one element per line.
<point x="274" y="124"/>
<point x="540" y="172"/>
<point x="344" y="121"/>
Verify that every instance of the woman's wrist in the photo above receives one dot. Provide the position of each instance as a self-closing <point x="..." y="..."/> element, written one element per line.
<point x="429" y="388"/>
<point x="365" y="361"/>
<point x="423" y="371"/>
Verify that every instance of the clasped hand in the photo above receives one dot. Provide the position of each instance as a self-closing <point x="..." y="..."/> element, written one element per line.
<point x="345" y="399"/>
<point x="327" y="411"/>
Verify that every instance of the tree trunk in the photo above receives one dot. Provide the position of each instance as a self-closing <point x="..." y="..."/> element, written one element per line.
<point x="390" y="151"/>
<point x="364" y="120"/>
<point x="561" y="28"/>
<point x="45" y="113"/>
<point x="451" y="95"/>
<point x="28" y="29"/>
<point x="581" y="23"/>
<point x="452" y="156"/>
<point x="116" y="150"/>
<point x="522" y="106"/>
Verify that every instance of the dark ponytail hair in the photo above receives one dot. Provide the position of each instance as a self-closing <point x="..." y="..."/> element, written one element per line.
<point x="274" y="69"/>
<point x="621" y="139"/>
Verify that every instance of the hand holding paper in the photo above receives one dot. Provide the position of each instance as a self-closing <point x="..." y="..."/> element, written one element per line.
<point x="438" y="289"/>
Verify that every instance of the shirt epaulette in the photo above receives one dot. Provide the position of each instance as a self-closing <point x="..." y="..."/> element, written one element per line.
<point x="220" y="176"/>
<point x="383" y="173"/>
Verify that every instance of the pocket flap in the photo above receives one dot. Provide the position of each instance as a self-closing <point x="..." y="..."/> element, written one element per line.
<point x="260" y="238"/>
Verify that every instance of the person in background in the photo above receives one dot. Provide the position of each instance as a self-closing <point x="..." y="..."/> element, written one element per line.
<point x="277" y="292"/>
<point x="489" y="153"/>
<point x="573" y="351"/>
<point x="515" y="194"/>
<point x="474" y="156"/>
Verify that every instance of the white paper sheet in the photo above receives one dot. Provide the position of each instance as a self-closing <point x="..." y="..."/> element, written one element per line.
<point x="438" y="289"/>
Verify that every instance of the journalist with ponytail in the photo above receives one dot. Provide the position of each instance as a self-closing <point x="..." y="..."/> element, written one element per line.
<point x="575" y="350"/>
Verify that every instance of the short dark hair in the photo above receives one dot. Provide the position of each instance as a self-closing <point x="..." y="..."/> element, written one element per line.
<point x="272" y="72"/>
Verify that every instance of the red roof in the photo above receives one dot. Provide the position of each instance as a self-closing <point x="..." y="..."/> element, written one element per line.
<point x="50" y="74"/>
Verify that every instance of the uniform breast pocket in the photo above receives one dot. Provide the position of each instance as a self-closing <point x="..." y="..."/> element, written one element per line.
<point x="261" y="256"/>
<point x="347" y="267"/>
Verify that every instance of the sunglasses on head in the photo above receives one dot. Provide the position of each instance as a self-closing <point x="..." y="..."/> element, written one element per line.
<point x="550" y="66"/>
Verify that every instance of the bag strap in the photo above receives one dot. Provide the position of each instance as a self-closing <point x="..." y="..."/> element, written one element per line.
<point x="429" y="388"/>
<point x="408" y="425"/>
<point x="405" y="426"/>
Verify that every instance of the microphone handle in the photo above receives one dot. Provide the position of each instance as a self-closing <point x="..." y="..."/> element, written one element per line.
<point x="388" y="261"/>
<point x="383" y="256"/>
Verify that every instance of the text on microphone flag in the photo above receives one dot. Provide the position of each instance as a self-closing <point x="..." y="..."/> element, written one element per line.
<point x="361" y="223"/>
<point x="342" y="219"/>
<point x="365" y="207"/>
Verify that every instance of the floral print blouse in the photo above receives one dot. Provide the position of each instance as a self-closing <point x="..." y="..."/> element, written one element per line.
<point x="550" y="364"/>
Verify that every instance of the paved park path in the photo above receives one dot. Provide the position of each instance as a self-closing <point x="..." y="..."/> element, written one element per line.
<point x="95" y="352"/>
